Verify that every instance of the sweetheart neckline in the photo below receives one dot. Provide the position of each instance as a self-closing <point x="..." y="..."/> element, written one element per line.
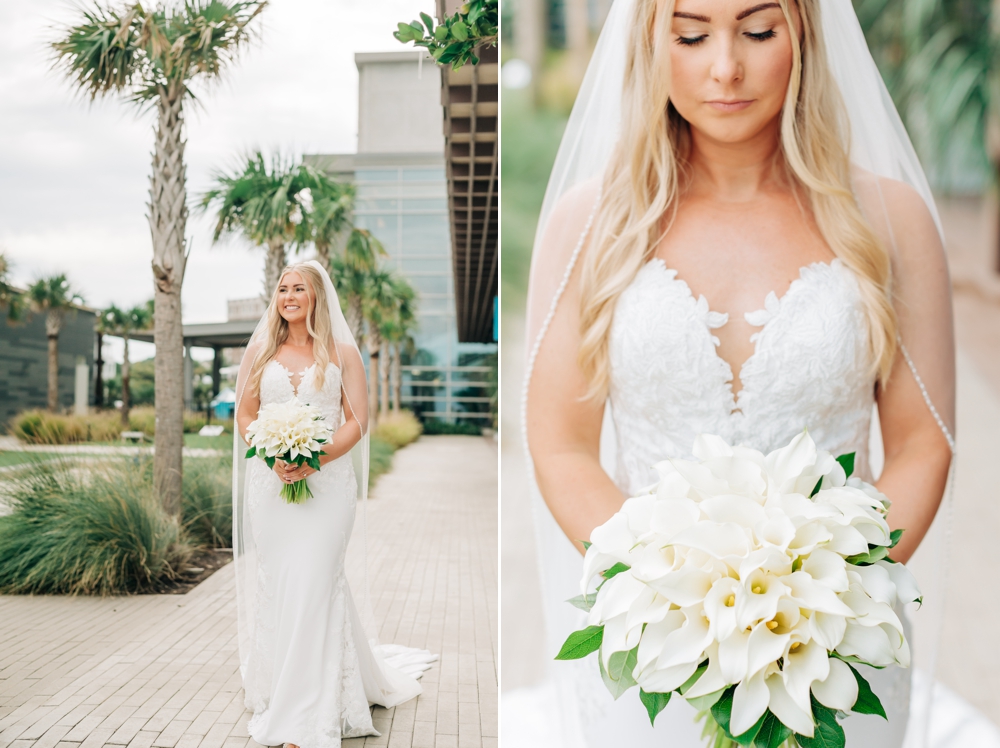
<point x="289" y="373"/>
<point x="773" y="305"/>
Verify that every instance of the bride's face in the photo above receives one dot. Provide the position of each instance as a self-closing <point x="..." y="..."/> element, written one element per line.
<point x="731" y="62"/>
<point x="294" y="297"/>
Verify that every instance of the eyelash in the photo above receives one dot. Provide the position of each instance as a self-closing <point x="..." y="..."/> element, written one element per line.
<point x="693" y="41"/>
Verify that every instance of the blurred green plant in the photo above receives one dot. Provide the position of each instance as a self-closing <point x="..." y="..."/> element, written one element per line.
<point x="941" y="63"/>
<point x="531" y="138"/>
<point x="454" y="40"/>
<point x="207" y="504"/>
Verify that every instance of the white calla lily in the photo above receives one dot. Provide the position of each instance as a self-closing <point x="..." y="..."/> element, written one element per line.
<point x="839" y="690"/>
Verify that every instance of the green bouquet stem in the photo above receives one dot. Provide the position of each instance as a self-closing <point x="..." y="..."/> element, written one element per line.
<point x="296" y="493"/>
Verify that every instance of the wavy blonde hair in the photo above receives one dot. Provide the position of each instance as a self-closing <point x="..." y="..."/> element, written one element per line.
<point x="318" y="326"/>
<point x="642" y="183"/>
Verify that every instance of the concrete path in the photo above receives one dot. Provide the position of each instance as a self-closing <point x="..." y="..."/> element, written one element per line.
<point x="11" y="444"/>
<point x="162" y="670"/>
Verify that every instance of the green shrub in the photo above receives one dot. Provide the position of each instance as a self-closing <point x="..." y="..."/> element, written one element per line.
<point x="379" y="458"/>
<point x="207" y="501"/>
<point x="143" y="419"/>
<point x="87" y="529"/>
<point x="435" y="427"/>
<point x="193" y="422"/>
<point x="43" y="427"/>
<point x="398" y="429"/>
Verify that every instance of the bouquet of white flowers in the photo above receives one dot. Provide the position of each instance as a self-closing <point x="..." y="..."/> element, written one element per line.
<point x="750" y="585"/>
<point x="292" y="431"/>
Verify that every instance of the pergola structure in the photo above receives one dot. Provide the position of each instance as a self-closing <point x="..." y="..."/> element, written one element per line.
<point x="469" y="96"/>
<point x="214" y="335"/>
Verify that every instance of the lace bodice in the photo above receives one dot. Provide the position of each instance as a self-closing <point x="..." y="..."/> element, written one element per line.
<point x="276" y="387"/>
<point x="810" y="369"/>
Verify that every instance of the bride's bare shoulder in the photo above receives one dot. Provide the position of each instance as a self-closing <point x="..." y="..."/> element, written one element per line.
<point x="898" y="213"/>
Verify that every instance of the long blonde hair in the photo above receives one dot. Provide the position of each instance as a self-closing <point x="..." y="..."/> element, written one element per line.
<point x="642" y="183"/>
<point x="318" y="326"/>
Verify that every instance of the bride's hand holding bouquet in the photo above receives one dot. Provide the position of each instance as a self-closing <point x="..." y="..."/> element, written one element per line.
<point x="291" y="434"/>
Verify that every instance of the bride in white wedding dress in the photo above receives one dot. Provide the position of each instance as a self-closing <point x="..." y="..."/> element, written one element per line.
<point x="310" y="671"/>
<point x="738" y="240"/>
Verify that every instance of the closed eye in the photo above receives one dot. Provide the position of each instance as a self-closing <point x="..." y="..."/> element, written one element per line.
<point x="691" y="41"/>
<point x="762" y="36"/>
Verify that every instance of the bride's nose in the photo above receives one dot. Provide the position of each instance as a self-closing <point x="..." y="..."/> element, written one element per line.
<point x="726" y="67"/>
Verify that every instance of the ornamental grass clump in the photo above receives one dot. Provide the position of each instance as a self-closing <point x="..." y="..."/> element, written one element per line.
<point x="399" y="429"/>
<point x="752" y="586"/>
<point x="207" y="501"/>
<point x="86" y="528"/>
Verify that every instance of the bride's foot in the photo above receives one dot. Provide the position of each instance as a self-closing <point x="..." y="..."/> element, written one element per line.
<point x="291" y="745"/>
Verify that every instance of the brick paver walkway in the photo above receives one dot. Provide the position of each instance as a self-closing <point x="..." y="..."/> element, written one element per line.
<point x="162" y="670"/>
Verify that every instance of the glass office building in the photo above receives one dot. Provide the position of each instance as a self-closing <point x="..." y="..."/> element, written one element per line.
<point x="402" y="198"/>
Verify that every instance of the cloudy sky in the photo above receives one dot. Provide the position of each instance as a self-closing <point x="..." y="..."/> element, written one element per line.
<point x="74" y="175"/>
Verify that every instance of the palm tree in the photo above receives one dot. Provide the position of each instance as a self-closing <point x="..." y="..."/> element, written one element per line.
<point x="123" y="323"/>
<point x="151" y="56"/>
<point x="8" y="295"/>
<point x="378" y="305"/>
<point x="53" y="297"/>
<point x="268" y="206"/>
<point x="330" y="215"/>
<point x="351" y="274"/>
<point x="397" y="331"/>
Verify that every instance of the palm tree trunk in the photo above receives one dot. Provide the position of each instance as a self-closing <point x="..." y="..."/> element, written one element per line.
<point x="53" y="373"/>
<point x="126" y="395"/>
<point x="384" y="376"/>
<point x="99" y="373"/>
<point x="356" y="318"/>
<point x="397" y="383"/>
<point x="373" y="387"/>
<point x="276" y="261"/>
<point x="167" y="224"/>
<point x="323" y="254"/>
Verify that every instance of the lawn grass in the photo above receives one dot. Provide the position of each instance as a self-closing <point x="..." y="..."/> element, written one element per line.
<point x="7" y="459"/>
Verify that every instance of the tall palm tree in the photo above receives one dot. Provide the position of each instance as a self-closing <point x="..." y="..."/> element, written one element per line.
<point x="54" y="298"/>
<point x="351" y="274"/>
<point x="151" y="56"/>
<point x="123" y="323"/>
<point x="378" y="305"/>
<point x="329" y="218"/>
<point x="397" y="331"/>
<point x="269" y="205"/>
<point x="8" y="295"/>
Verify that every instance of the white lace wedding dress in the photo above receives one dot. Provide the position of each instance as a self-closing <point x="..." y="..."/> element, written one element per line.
<point x="312" y="674"/>
<point x="809" y="369"/>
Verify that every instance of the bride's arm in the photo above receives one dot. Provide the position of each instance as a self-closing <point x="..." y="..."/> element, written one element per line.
<point x="917" y="454"/>
<point x="564" y="429"/>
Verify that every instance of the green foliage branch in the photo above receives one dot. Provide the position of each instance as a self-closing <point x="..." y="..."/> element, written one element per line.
<point x="454" y="40"/>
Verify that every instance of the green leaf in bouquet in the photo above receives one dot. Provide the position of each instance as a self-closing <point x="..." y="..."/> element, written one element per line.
<point x="816" y="488"/>
<point x="722" y="710"/>
<point x="847" y="462"/>
<point x="618" y="676"/>
<point x="875" y="553"/>
<point x="829" y="733"/>
<point x="654" y="703"/>
<point x="269" y="461"/>
<point x="701" y="703"/>
<point x="252" y="452"/>
<point x="868" y="702"/>
<point x="686" y="686"/>
<point x="894" y="536"/>
<point x="772" y="733"/>
<point x="581" y="643"/>
<point x="586" y="544"/>
<point x="313" y="461"/>
<point x="583" y="602"/>
<point x="852" y="659"/>
<point x="615" y="570"/>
